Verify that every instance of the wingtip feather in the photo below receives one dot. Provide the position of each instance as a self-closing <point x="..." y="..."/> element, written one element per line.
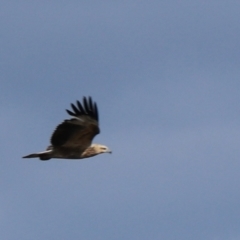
<point x="87" y="107"/>
<point x="70" y="113"/>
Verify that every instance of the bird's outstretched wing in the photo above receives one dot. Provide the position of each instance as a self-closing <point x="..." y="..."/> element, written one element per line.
<point x="79" y="131"/>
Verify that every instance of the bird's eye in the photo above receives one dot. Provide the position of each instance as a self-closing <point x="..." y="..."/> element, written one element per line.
<point x="103" y="148"/>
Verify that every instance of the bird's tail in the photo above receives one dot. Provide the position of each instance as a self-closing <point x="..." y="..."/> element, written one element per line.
<point x="42" y="155"/>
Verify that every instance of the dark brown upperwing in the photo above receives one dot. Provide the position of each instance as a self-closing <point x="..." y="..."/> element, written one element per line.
<point x="79" y="131"/>
<point x="70" y="134"/>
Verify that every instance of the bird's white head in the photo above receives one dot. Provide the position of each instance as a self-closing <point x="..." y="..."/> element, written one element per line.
<point x="101" y="148"/>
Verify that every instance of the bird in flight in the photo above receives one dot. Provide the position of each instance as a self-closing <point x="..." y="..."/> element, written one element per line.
<point x="72" y="139"/>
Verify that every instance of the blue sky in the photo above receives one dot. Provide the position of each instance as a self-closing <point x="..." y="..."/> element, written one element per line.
<point x="166" y="77"/>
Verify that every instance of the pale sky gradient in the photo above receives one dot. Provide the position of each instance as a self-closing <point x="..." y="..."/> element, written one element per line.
<point x="166" y="77"/>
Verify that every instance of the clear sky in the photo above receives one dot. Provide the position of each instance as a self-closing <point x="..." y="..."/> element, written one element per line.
<point x="166" y="77"/>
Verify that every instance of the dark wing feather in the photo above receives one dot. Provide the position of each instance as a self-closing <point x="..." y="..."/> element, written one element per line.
<point x="88" y="108"/>
<point x="79" y="131"/>
<point x="95" y="110"/>
<point x="81" y="109"/>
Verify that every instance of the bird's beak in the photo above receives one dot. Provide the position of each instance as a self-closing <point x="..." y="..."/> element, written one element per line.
<point x="109" y="151"/>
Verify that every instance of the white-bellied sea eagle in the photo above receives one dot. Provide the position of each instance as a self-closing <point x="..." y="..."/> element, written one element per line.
<point x="72" y="139"/>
